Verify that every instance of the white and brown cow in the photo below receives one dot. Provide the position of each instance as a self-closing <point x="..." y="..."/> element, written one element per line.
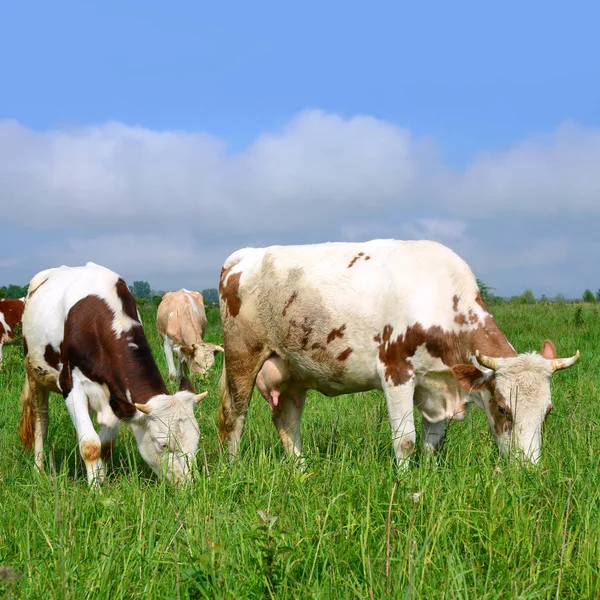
<point x="405" y="317"/>
<point x="83" y="338"/>
<point x="181" y="321"/>
<point x="11" y="313"/>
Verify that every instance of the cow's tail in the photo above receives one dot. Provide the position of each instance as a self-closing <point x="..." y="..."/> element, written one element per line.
<point x="28" y="414"/>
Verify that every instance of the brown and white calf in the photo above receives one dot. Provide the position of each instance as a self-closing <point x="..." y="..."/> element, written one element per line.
<point x="83" y="338"/>
<point x="181" y="321"/>
<point x="11" y="314"/>
<point x="403" y="317"/>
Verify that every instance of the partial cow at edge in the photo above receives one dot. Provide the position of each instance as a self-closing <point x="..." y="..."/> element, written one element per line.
<point x="83" y="338"/>
<point x="181" y="322"/>
<point x="405" y="317"/>
<point x="11" y="314"/>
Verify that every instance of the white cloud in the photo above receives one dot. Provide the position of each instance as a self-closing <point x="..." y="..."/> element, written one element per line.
<point x="174" y="204"/>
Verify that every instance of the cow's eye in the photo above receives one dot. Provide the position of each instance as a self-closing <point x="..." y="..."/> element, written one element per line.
<point x="501" y="410"/>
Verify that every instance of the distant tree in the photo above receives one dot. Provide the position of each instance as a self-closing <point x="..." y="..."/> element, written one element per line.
<point x="140" y="289"/>
<point x="559" y="298"/>
<point x="16" y="291"/>
<point x="527" y="297"/>
<point x="485" y="291"/>
<point x="598" y="295"/>
<point x="588" y="296"/>
<point x="544" y="298"/>
<point x="3" y="291"/>
<point x="211" y="295"/>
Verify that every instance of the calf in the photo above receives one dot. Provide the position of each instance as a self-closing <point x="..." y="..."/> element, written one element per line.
<point x="83" y="338"/>
<point x="181" y="321"/>
<point x="11" y="313"/>
<point x="403" y="317"/>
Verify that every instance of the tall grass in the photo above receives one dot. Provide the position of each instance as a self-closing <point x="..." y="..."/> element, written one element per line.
<point x="351" y="526"/>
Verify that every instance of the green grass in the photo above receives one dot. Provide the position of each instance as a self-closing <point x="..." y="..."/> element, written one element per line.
<point x="347" y="528"/>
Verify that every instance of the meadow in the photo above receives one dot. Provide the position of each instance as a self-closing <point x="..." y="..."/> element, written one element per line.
<point x="471" y="526"/>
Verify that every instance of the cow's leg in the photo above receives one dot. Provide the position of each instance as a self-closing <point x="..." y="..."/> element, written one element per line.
<point x="237" y="383"/>
<point x="108" y="434"/>
<point x="1" y="353"/>
<point x="33" y="427"/>
<point x="286" y="418"/>
<point x="168" y="348"/>
<point x="87" y="437"/>
<point x="433" y="435"/>
<point x="400" y="403"/>
<point x="177" y="376"/>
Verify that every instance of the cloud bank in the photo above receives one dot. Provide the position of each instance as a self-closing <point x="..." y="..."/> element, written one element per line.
<point x="169" y="206"/>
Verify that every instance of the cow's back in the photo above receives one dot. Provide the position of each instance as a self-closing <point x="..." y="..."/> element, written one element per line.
<point x="324" y="308"/>
<point x="53" y="292"/>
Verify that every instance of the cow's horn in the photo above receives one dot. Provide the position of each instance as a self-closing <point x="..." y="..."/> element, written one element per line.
<point x="201" y="396"/>
<point x="563" y="363"/>
<point x="487" y="361"/>
<point x="219" y="348"/>
<point x="145" y="408"/>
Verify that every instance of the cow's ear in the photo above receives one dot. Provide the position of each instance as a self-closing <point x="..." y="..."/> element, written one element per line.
<point x="186" y="385"/>
<point x="470" y="378"/>
<point x="123" y="410"/>
<point x="548" y="350"/>
<point x="188" y="350"/>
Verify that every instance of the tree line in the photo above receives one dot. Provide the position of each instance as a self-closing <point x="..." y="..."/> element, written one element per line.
<point x="144" y="293"/>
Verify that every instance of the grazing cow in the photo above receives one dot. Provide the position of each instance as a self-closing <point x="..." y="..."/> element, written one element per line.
<point x="83" y="338"/>
<point x="11" y="313"/>
<point x="181" y="321"/>
<point x="403" y="317"/>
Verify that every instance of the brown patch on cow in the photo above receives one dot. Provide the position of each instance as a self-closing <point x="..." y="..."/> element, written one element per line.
<point x="25" y="348"/>
<point x="479" y="300"/>
<point x="367" y="258"/>
<point x="377" y="338"/>
<point x="289" y="303"/>
<point x="450" y="347"/>
<point x="473" y="318"/>
<point x="455" y="303"/>
<point x="460" y="319"/>
<point x="357" y="257"/>
<point x="91" y="345"/>
<point x="127" y="300"/>
<point x="345" y="354"/>
<point x="32" y="292"/>
<point x="407" y="446"/>
<point x="503" y="423"/>
<point x="12" y="311"/>
<point x="229" y="292"/>
<point x="106" y="450"/>
<point x="90" y="451"/>
<point x="52" y="357"/>
<point x="317" y="346"/>
<point x="336" y="333"/>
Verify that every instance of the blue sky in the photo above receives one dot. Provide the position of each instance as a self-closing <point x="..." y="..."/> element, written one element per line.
<point x="409" y="116"/>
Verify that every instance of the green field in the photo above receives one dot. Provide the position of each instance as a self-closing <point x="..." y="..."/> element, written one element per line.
<point x="472" y="526"/>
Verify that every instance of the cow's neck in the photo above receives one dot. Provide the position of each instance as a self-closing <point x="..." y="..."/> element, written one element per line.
<point x="138" y="373"/>
<point x="489" y="340"/>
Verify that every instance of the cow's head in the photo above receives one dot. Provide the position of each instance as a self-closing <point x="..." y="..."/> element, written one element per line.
<point x="515" y="395"/>
<point x="167" y="433"/>
<point x="201" y="356"/>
